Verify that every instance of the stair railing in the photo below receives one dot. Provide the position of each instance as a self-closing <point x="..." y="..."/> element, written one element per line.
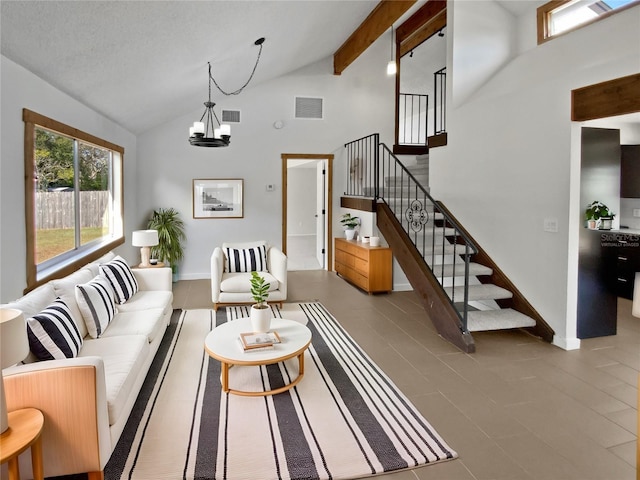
<point x="426" y="224"/>
<point x="362" y="163"/>
<point x="374" y="171"/>
<point x="413" y="119"/>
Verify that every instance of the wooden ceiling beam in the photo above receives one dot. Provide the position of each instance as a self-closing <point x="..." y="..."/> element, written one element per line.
<point x="378" y="22"/>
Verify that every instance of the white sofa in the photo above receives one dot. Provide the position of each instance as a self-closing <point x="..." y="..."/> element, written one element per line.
<point x="87" y="400"/>
<point x="232" y="288"/>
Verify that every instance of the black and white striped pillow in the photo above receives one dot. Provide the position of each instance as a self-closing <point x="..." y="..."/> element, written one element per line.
<point x="96" y="301"/>
<point x="121" y="278"/>
<point x="246" y="259"/>
<point x="53" y="333"/>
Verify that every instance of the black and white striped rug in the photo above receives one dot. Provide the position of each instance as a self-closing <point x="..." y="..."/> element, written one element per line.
<point x="345" y="419"/>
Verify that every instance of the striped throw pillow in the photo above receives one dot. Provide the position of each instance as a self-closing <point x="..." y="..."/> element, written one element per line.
<point x="96" y="301"/>
<point x="53" y="333"/>
<point x="121" y="278"/>
<point x="246" y="259"/>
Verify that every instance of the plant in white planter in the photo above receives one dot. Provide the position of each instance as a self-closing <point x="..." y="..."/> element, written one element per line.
<point x="599" y="216"/>
<point x="260" y="311"/>
<point x="349" y="223"/>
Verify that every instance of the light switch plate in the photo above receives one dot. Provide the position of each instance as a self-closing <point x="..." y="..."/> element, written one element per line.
<point x="636" y="212"/>
<point x="271" y="187"/>
<point x="551" y="225"/>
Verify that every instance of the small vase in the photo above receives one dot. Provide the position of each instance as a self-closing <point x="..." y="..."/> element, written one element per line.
<point x="591" y="224"/>
<point x="260" y="319"/>
<point x="350" y="233"/>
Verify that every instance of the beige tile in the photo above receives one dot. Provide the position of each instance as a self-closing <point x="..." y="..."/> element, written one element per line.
<point x="516" y="409"/>
<point x="626" y="452"/>
<point x="538" y="459"/>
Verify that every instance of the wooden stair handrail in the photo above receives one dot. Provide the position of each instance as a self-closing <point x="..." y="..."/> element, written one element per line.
<point x="518" y="301"/>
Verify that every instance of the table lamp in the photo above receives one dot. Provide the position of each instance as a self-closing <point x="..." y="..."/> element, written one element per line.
<point x="15" y="347"/>
<point x="145" y="239"/>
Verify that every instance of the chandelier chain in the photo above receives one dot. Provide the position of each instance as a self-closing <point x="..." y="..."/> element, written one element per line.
<point x="239" y="90"/>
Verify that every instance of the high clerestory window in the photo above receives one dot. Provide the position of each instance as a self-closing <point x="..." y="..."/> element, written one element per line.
<point x="562" y="16"/>
<point x="73" y="197"/>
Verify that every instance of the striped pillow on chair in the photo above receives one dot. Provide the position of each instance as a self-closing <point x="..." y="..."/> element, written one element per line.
<point x="246" y="259"/>
<point x="121" y="278"/>
<point x="53" y="333"/>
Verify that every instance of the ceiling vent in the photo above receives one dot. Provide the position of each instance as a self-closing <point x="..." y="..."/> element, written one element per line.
<point x="308" y="107"/>
<point x="231" y="116"/>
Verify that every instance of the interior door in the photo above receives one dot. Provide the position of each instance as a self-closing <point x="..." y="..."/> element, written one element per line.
<point x="321" y="213"/>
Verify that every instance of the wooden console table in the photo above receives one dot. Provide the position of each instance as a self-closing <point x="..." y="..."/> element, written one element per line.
<point x="367" y="267"/>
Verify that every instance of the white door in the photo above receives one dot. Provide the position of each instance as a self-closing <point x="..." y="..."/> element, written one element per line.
<point x="321" y="212"/>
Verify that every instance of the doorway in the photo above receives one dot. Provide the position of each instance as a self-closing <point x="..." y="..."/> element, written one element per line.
<point x="306" y="210"/>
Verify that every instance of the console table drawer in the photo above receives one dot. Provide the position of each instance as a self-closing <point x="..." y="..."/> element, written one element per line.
<point x="365" y="266"/>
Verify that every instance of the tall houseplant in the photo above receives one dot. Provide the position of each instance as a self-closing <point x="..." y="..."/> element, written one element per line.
<point x="260" y="311"/>
<point x="171" y="236"/>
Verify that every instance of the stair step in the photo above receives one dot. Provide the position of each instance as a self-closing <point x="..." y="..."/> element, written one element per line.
<point x="486" y="291"/>
<point x="457" y="269"/>
<point x="502" y="319"/>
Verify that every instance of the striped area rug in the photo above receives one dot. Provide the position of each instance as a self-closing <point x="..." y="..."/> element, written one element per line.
<point x="345" y="419"/>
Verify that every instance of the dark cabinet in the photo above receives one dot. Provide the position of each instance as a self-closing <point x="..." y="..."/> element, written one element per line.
<point x="628" y="263"/>
<point x="630" y="171"/>
<point x="597" y="287"/>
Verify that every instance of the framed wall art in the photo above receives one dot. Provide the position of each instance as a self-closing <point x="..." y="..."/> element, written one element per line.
<point x="218" y="198"/>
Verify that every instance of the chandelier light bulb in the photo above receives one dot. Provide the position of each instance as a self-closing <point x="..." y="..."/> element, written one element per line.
<point x="391" y="68"/>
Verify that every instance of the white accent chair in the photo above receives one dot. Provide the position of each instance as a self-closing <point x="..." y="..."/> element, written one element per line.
<point x="229" y="288"/>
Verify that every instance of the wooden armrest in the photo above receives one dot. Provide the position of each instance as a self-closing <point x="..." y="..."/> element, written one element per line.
<point x="76" y="424"/>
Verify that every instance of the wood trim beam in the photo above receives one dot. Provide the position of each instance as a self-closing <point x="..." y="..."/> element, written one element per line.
<point x="606" y="99"/>
<point x="416" y="24"/>
<point x="425" y="31"/>
<point x="358" y="203"/>
<point x="378" y="22"/>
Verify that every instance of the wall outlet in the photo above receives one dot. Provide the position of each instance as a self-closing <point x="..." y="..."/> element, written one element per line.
<point x="636" y="212"/>
<point x="551" y="225"/>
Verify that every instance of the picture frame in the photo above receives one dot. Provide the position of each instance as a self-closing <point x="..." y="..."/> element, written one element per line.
<point x="218" y="198"/>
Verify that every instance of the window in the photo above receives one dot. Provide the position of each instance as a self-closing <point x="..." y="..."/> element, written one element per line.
<point x="73" y="197"/>
<point x="561" y="16"/>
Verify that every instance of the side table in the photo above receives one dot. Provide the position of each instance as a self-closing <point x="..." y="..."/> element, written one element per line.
<point x="158" y="265"/>
<point x="25" y="426"/>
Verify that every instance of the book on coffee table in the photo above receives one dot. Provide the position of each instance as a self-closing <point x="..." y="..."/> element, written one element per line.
<point x="251" y="340"/>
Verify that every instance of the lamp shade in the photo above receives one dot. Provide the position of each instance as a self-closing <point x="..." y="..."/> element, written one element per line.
<point x="144" y="238"/>
<point x="14" y="347"/>
<point x="13" y="337"/>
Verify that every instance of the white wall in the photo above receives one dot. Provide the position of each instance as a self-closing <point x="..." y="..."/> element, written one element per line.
<point x="21" y="89"/>
<point x="509" y="161"/>
<point x="357" y="103"/>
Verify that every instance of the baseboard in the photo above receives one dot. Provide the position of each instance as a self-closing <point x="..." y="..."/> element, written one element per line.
<point x="402" y="287"/>
<point x="566" y="343"/>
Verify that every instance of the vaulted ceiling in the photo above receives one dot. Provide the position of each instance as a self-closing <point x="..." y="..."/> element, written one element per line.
<point x="142" y="63"/>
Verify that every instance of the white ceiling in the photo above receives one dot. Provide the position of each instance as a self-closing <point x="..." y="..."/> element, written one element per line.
<point x="142" y="63"/>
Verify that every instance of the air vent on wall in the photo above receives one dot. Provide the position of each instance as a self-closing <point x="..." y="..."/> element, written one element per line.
<point x="230" y="116"/>
<point x="307" y="107"/>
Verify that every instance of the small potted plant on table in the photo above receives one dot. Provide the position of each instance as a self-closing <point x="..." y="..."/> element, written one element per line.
<point x="349" y="223"/>
<point x="260" y="311"/>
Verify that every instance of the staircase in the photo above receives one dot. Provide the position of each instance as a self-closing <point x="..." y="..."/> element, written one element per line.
<point x="461" y="287"/>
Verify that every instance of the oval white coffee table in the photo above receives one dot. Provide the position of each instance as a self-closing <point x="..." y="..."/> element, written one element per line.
<point x="222" y="344"/>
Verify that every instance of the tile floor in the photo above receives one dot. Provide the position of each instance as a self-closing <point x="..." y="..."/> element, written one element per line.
<point x="516" y="409"/>
<point x="301" y="253"/>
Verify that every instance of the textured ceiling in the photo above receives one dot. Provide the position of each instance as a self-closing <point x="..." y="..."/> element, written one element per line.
<point x="142" y="63"/>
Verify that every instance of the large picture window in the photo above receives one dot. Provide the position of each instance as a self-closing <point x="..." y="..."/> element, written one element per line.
<point x="73" y="197"/>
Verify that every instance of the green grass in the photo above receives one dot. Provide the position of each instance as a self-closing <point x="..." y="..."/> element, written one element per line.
<point x="53" y="242"/>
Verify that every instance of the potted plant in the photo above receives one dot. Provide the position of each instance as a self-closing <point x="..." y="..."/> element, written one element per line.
<point x="260" y="311"/>
<point x="170" y="237"/>
<point x="349" y="223"/>
<point x="599" y="216"/>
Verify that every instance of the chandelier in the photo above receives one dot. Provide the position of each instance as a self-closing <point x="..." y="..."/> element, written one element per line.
<point x="204" y="133"/>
